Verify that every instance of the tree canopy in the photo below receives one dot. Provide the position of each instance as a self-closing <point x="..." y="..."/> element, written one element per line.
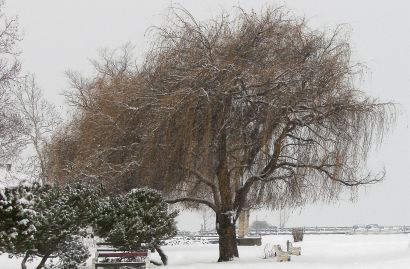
<point x="241" y="111"/>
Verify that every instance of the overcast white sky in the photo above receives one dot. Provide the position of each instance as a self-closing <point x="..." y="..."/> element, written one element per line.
<point x="61" y="35"/>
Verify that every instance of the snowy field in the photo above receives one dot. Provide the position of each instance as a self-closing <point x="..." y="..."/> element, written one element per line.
<point x="318" y="251"/>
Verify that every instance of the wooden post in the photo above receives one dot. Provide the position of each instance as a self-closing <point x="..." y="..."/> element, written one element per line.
<point x="243" y="223"/>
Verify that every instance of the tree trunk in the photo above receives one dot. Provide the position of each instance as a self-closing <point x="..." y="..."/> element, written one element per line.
<point x="164" y="258"/>
<point x="23" y="262"/>
<point x="228" y="247"/>
<point x="43" y="261"/>
<point x="225" y="224"/>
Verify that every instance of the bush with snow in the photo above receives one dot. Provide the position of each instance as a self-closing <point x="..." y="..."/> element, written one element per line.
<point x="70" y="254"/>
<point x="46" y="221"/>
<point x="18" y="218"/>
<point x="136" y="220"/>
<point x="138" y="217"/>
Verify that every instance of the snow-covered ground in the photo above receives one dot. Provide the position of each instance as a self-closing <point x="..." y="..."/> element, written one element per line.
<point x="318" y="252"/>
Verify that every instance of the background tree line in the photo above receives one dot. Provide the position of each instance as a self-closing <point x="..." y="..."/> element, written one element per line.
<point x="27" y="119"/>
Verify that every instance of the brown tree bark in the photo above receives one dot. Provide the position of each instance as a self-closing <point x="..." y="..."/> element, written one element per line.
<point x="225" y="223"/>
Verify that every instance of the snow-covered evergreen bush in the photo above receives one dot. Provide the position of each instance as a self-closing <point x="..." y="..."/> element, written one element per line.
<point x="18" y="218"/>
<point x="46" y="221"/>
<point x="140" y="216"/>
<point x="70" y="254"/>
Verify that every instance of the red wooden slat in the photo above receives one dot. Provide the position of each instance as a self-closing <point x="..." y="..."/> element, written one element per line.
<point x="118" y="264"/>
<point x="123" y="254"/>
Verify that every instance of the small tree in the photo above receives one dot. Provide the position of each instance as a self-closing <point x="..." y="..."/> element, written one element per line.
<point x="138" y="217"/>
<point x="45" y="221"/>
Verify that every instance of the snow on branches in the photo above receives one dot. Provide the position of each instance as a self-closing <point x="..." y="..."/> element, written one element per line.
<point x="48" y="221"/>
<point x="45" y="220"/>
<point x="140" y="216"/>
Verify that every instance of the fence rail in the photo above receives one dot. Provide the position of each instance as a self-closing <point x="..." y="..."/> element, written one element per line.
<point x="316" y="230"/>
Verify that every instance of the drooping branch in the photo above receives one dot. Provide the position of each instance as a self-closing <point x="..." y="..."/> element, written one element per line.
<point x="207" y="182"/>
<point x="265" y="175"/>
<point x="192" y="200"/>
<point x="349" y="182"/>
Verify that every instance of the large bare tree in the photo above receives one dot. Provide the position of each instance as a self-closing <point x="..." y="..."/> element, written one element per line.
<point x="254" y="110"/>
<point x="11" y="125"/>
<point x="26" y="118"/>
<point x="40" y="119"/>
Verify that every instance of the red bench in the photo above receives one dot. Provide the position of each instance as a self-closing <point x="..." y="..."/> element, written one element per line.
<point x="101" y="259"/>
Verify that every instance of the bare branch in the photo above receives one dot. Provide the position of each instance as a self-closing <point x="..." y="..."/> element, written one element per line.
<point x="192" y="200"/>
